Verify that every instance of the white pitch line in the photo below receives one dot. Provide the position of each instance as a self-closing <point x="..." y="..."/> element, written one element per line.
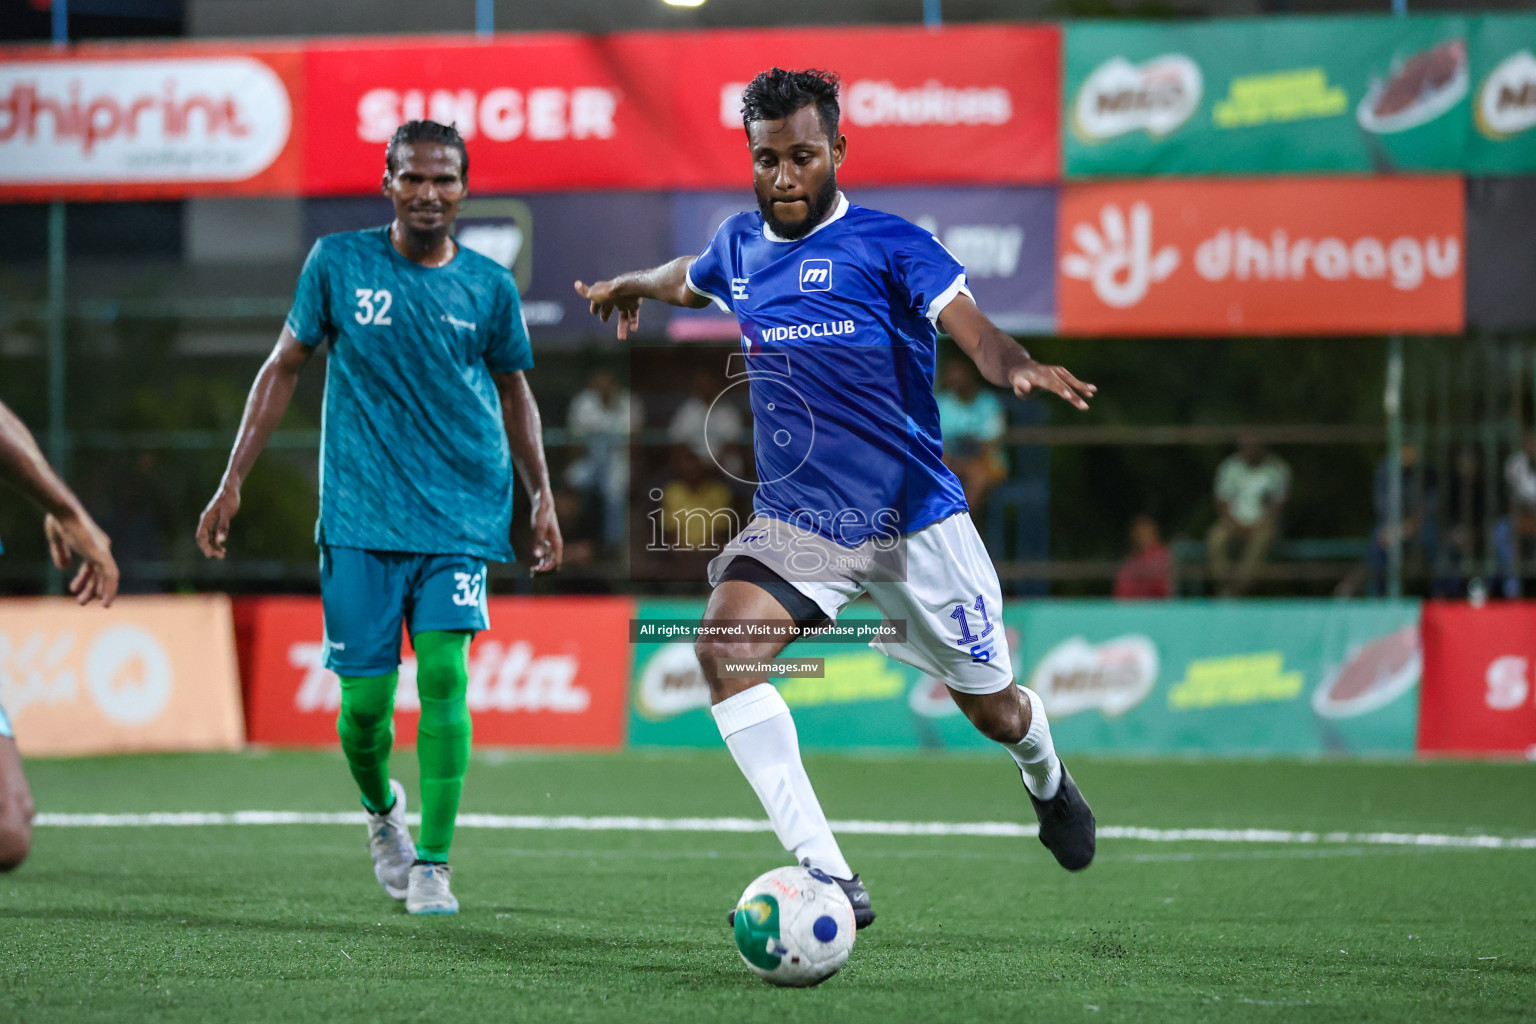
<point x="1002" y="829"/>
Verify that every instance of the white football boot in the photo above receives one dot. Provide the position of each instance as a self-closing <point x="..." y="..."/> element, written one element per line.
<point x="389" y="843"/>
<point x="429" y="892"/>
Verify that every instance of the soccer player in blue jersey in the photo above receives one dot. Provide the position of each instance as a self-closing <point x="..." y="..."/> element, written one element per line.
<point x="70" y="531"/>
<point x="427" y="410"/>
<point x="839" y="308"/>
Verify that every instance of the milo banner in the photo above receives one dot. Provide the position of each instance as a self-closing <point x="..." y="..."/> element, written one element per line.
<point x="1292" y="677"/>
<point x="1370" y="94"/>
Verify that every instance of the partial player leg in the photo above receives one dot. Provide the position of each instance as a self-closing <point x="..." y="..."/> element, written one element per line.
<point x="760" y="732"/>
<point x="15" y="806"/>
<point x="950" y="599"/>
<point x="362" y="593"/>
<point x="443" y="738"/>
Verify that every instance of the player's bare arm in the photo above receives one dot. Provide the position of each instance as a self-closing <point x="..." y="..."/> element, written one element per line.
<point x="623" y="294"/>
<point x="70" y="529"/>
<point x="1003" y="361"/>
<point x="525" y="437"/>
<point x="264" y="408"/>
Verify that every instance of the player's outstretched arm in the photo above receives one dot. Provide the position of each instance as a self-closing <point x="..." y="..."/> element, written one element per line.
<point x="264" y="409"/>
<point x="1003" y="361"/>
<point x="667" y="283"/>
<point x="71" y="530"/>
<point x="525" y="436"/>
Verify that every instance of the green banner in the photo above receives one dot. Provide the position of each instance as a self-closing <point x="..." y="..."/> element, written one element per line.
<point x="1260" y="677"/>
<point x="1300" y="95"/>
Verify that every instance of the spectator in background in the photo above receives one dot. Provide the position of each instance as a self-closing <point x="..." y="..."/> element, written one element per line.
<point x="696" y="509"/>
<point x="715" y="431"/>
<point x="1252" y="486"/>
<point x="1418" y="529"/>
<point x="1520" y="524"/>
<point x="972" y="422"/>
<point x="1148" y="572"/>
<point x="600" y="419"/>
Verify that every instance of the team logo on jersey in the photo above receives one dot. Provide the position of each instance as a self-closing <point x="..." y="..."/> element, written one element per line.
<point x="738" y="288"/>
<point x="815" y="275"/>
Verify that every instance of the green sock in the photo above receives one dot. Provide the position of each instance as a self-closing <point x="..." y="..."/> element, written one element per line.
<point x="443" y="738"/>
<point x="367" y="732"/>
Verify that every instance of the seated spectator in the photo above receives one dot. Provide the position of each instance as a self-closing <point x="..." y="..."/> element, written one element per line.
<point x="600" y="419"/>
<point x="1514" y="531"/>
<point x="972" y="422"/>
<point x="696" y="505"/>
<point x="1148" y="572"/>
<point x="715" y="430"/>
<point x="1252" y="486"/>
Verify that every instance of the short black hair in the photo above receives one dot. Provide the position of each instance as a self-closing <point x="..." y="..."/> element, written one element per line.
<point x="775" y="94"/>
<point x="414" y="132"/>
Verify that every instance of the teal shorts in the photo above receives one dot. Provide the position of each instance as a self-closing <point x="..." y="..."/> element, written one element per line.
<point x="368" y="595"/>
<point x="5" y="726"/>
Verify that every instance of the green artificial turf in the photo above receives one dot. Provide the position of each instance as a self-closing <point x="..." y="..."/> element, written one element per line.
<point x="285" y="923"/>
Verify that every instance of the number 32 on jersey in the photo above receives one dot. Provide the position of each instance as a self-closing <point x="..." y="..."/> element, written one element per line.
<point x="373" y="307"/>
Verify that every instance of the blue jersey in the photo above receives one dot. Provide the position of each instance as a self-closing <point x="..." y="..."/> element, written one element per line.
<point x="839" y="330"/>
<point x="414" y="455"/>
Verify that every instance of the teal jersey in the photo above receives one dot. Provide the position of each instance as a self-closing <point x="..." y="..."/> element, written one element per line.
<point x="413" y="453"/>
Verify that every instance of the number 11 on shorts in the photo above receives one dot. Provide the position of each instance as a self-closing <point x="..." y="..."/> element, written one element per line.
<point x="979" y="651"/>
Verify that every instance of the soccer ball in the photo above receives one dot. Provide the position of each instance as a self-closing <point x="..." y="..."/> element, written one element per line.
<point x="794" y="927"/>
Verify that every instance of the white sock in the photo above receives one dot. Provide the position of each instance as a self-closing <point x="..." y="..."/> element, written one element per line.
<point x="1035" y="753"/>
<point x="757" y="726"/>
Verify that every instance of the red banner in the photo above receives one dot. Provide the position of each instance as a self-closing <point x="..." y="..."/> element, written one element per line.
<point x="640" y="110"/>
<point x="141" y="122"/>
<point x="1287" y="256"/>
<point x="1479" y="688"/>
<point x="550" y="672"/>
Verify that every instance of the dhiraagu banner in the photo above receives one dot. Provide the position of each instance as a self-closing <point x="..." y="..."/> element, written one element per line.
<point x="1368" y="94"/>
<point x="1226" y="678"/>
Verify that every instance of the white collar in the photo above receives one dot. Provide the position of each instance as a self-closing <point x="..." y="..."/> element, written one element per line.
<point x="837" y="211"/>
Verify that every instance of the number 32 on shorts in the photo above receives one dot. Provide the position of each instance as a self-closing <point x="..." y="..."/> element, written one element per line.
<point x="981" y="648"/>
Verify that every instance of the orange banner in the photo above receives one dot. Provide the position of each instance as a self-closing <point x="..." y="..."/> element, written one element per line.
<point x="1283" y="256"/>
<point x="149" y="673"/>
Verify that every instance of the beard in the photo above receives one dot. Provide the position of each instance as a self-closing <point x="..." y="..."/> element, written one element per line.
<point x="819" y="205"/>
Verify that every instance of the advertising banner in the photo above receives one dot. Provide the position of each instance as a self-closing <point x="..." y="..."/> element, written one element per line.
<point x="1147" y="678"/>
<point x="1231" y="678"/>
<point x="1503" y="139"/>
<point x="548" y="241"/>
<point x="150" y="673"/>
<point x="144" y="122"/>
<point x="1479" y="687"/>
<point x="1247" y="257"/>
<point x="662" y="110"/>
<point x="1366" y="94"/>
<point x="1501" y="250"/>
<point x="1006" y="237"/>
<point x="533" y="679"/>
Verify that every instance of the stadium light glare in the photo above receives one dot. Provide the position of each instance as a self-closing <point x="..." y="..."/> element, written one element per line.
<point x="683" y="3"/>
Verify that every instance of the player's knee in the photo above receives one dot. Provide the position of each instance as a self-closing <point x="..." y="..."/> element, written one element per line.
<point x="1002" y="723"/>
<point x="714" y="654"/>
<point x="363" y="718"/>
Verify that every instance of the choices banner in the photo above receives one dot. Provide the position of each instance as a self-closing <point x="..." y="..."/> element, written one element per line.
<point x="1301" y="95"/>
<point x="1262" y="256"/>
<point x="533" y="679"/>
<point x="662" y="110"/>
<point x="1479" y="684"/>
<point x="150" y="673"/>
<point x="139" y="122"/>
<point x="1288" y="677"/>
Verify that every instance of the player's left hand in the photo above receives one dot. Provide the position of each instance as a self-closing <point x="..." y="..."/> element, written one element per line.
<point x="97" y="577"/>
<point x="1055" y="379"/>
<point x="548" y="546"/>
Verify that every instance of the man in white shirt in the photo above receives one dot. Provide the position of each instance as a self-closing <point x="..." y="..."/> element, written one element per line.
<point x="601" y="418"/>
<point x="1252" y="486"/>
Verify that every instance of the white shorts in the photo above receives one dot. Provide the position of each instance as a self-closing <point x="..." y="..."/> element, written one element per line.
<point x="945" y="589"/>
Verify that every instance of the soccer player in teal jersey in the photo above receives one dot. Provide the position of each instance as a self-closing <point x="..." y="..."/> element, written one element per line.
<point x="427" y="411"/>
<point x="71" y="531"/>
